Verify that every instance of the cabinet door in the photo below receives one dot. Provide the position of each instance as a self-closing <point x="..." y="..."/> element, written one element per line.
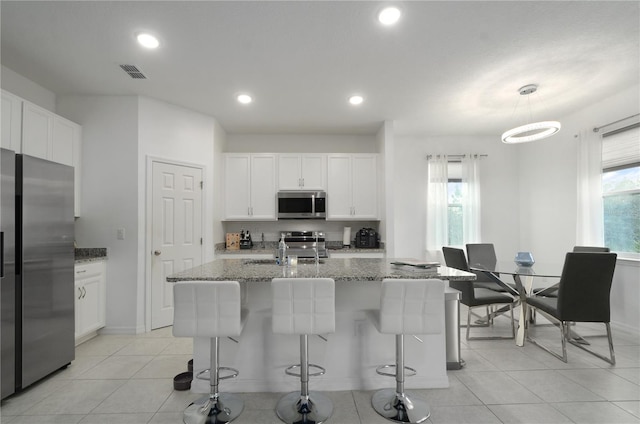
<point x="92" y="308"/>
<point x="263" y="187"/>
<point x="11" y="122"/>
<point x="237" y="180"/>
<point x="364" y="185"/>
<point x="63" y="141"/>
<point x="90" y="298"/>
<point x="65" y="149"/>
<point x="289" y="172"/>
<point x="339" y="204"/>
<point x="314" y="172"/>
<point x="37" y="129"/>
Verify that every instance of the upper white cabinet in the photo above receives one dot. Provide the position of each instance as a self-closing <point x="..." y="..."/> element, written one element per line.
<point x="352" y="187"/>
<point x="250" y="186"/>
<point x="52" y="137"/>
<point x="302" y="171"/>
<point x="11" y="121"/>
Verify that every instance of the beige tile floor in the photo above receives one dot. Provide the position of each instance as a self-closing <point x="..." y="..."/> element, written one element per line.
<point x="128" y="379"/>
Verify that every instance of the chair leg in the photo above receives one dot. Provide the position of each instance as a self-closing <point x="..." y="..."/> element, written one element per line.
<point x="396" y="405"/>
<point x="612" y="356"/>
<point x="304" y="407"/>
<point x="565" y="332"/>
<point x="216" y="408"/>
<point x="513" y="330"/>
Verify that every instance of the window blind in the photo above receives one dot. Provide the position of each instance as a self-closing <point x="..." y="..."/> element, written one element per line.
<point x="621" y="148"/>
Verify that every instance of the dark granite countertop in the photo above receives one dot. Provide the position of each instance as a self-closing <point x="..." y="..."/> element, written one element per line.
<point x="90" y="254"/>
<point x="340" y="269"/>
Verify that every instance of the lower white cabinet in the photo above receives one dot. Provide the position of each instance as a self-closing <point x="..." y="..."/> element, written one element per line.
<point x="90" y="299"/>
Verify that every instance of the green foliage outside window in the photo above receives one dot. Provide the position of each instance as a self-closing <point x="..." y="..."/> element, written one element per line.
<point x="621" y="189"/>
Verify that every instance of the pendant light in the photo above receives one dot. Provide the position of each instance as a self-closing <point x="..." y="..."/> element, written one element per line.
<point x="533" y="131"/>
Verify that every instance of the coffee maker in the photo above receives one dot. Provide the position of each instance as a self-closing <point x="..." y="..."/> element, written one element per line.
<point x="245" y="240"/>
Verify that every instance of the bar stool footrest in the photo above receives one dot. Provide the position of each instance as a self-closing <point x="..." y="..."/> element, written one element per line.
<point x="289" y="370"/>
<point x="411" y="373"/>
<point x="234" y="373"/>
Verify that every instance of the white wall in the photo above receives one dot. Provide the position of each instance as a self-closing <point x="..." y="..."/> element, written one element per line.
<point x="28" y="90"/>
<point x="119" y="134"/>
<point x="110" y="196"/>
<point x="219" y="146"/>
<point x="180" y="135"/>
<point x="548" y="202"/>
<point x="499" y="190"/>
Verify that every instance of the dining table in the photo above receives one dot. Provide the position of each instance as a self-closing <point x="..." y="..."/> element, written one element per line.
<point x="523" y="276"/>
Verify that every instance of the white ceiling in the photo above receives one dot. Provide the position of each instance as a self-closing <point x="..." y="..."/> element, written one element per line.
<point x="446" y="68"/>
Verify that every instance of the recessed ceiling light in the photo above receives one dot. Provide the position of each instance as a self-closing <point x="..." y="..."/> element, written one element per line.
<point x="147" y="40"/>
<point x="389" y="15"/>
<point x="244" y="98"/>
<point x="356" y="100"/>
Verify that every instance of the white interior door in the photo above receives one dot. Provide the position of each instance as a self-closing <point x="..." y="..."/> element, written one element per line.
<point x="176" y="232"/>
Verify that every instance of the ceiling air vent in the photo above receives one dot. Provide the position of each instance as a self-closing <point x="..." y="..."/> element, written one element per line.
<point x="133" y="71"/>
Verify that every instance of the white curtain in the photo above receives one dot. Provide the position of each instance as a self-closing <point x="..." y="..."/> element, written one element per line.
<point x="437" y="211"/>
<point x="471" y="199"/>
<point x="589" y="220"/>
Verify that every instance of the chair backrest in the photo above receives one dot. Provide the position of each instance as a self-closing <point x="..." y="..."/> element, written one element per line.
<point x="455" y="258"/>
<point x="206" y="309"/>
<point x="585" y="285"/>
<point x="592" y="249"/>
<point x="483" y="255"/>
<point x="412" y="306"/>
<point x="303" y="305"/>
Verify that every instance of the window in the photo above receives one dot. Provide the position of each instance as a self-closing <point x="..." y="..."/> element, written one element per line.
<point x="454" y="204"/>
<point x="621" y="189"/>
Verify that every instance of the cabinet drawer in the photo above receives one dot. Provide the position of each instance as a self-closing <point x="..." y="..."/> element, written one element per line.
<point x="88" y="270"/>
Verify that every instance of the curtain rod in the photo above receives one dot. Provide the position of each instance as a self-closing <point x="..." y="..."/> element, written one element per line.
<point x="596" y="129"/>
<point x="458" y="156"/>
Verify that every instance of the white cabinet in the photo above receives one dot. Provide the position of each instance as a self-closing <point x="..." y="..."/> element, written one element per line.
<point x="90" y="299"/>
<point x="302" y="171"/>
<point x="352" y="187"/>
<point x="250" y="186"/>
<point x="11" y="121"/>
<point x="35" y="131"/>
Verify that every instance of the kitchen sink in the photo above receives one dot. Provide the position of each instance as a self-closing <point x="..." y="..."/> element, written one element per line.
<point x="273" y="261"/>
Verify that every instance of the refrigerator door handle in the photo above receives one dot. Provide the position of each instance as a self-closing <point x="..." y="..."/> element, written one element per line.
<point x="1" y="254"/>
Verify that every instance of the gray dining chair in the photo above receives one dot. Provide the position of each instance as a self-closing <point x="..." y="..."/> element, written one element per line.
<point x="474" y="297"/>
<point x="583" y="296"/>
<point x="483" y="255"/>
<point x="552" y="291"/>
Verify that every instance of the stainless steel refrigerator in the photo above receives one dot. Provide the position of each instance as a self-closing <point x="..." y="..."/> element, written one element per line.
<point x="37" y="293"/>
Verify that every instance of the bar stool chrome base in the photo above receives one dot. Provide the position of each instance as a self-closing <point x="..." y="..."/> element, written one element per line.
<point x="399" y="407"/>
<point x="206" y="410"/>
<point x="293" y="408"/>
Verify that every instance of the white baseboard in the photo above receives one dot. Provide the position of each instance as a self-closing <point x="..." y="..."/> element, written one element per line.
<point x="122" y="330"/>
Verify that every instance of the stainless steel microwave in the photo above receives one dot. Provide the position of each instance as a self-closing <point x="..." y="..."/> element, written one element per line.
<point x="302" y="204"/>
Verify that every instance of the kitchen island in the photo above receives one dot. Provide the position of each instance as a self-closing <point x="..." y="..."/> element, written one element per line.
<point x="350" y="355"/>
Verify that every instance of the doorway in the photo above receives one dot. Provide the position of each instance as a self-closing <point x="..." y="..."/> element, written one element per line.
<point x="176" y="231"/>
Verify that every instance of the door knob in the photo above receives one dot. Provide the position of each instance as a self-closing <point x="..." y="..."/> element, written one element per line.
<point x="157" y="252"/>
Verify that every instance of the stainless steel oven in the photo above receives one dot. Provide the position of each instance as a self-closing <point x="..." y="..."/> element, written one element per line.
<point x="302" y="204"/>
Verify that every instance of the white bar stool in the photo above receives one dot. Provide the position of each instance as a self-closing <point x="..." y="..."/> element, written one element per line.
<point x="406" y="307"/>
<point x="304" y="306"/>
<point x="210" y="309"/>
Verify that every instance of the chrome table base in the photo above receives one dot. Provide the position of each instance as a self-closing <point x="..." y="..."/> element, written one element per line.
<point x="222" y="410"/>
<point x="399" y="407"/>
<point x="293" y="408"/>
